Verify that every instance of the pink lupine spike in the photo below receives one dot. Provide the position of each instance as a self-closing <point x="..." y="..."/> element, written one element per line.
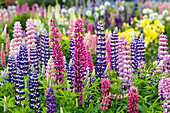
<point x="3" y="59"/>
<point x="108" y="50"/>
<point x="50" y="66"/>
<point x="90" y="28"/>
<point x="7" y="46"/>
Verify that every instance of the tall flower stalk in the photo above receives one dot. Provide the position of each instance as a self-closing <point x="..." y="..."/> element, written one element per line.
<point x="101" y="63"/>
<point x="3" y="59"/>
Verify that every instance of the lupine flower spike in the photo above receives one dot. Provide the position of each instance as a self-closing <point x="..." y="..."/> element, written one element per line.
<point x="3" y="59"/>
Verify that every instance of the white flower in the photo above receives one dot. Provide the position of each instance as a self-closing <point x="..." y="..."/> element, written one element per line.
<point x="162" y="22"/>
<point x="96" y="9"/>
<point x="144" y="11"/>
<point x="122" y="8"/>
<point x="150" y="11"/>
<point x="64" y="1"/>
<point x="102" y="7"/>
<point x="67" y="23"/>
<point x="63" y="10"/>
<point x="96" y="15"/>
<point x="88" y="13"/>
<point x="107" y="4"/>
<point x="71" y="10"/>
<point x="155" y="14"/>
<point x="165" y="12"/>
<point x="145" y="16"/>
<point x="168" y="18"/>
<point x="102" y="12"/>
<point x="160" y="17"/>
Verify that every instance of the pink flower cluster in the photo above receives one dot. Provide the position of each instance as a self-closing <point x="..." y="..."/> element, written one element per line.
<point x="90" y="28"/>
<point x="16" y="42"/>
<point x="3" y="59"/>
<point x="57" y="54"/>
<point x="31" y="37"/>
<point x="124" y="67"/>
<point x="163" y="49"/>
<point x="108" y="55"/>
<point x="106" y="101"/>
<point x="79" y="56"/>
<point x="90" y="62"/>
<point x="133" y="100"/>
<point x="164" y="89"/>
<point x="50" y="66"/>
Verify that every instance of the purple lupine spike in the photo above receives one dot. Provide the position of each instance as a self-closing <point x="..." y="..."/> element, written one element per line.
<point x="79" y="62"/>
<point x="45" y="52"/>
<point x="124" y="67"/>
<point x="114" y="42"/>
<point x="51" y="100"/>
<point x="101" y="60"/>
<point x="133" y="10"/>
<point x="38" y="46"/>
<point x="57" y="54"/>
<point x="34" y="58"/>
<point x="11" y="68"/>
<point x="34" y="90"/>
<point x="70" y="75"/>
<point x="22" y="65"/>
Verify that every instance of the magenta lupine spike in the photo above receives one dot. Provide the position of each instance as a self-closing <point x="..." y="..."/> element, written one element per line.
<point x="31" y="37"/>
<point x="108" y="52"/>
<point x="163" y="47"/>
<point x="90" y="61"/>
<point x="7" y="46"/>
<point x="42" y="13"/>
<point x="90" y="28"/>
<point x="79" y="62"/>
<point x="17" y="10"/>
<point x="3" y="59"/>
<point x="133" y="100"/>
<point x="124" y="67"/>
<point x="33" y="11"/>
<point x="107" y="97"/>
<point x="9" y="17"/>
<point x="17" y="41"/>
<point x="57" y="54"/>
<point x="50" y="66"/>
<point x="2" y="19"/>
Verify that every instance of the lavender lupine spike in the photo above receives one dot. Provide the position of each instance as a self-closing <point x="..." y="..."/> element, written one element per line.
<point x="11" y="68"/>
<point x="34" y="58"/>
<point x="114" y="42"/>
<point x="124" y="68"/>
<point x="163" y="47"/>
<point x="51" y="100"/>
<point x="34" y="91"/>
<point x="22" y="65"/>
<point x="70" y="75"/>
<point x="101" y="63"/>
<point x="45" y="52"/>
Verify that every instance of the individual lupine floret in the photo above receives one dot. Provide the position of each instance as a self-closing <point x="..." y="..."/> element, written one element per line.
<point x="133" y="100"/>
<point x="163" y="47"/>
<point x="34" y="91"/>
<point x="11" y="68"/>
<point x="3" y="59"/>
<point x="31" y="37"/>
<point x="124" y="67"/>
<point x="107" y="97"/>
<point x="16" y="42"/>
<point x="57" y="54"/>
<point x="51" y="101"/>
<point x="45" y="52"/>
<point x="114" y="42"/>
<point x="22" y="70"/>
<point x="34" y="58"/>
<point x="79" y="59"/>
<point x="101" y="60"/>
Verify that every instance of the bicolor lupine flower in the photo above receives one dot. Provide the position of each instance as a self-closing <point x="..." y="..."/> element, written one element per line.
<point x="51" y="103"/>
<point x="38" y="46"/>
<point x="133" y="100"/>
<point x="45" y="52"/>
<point x="57" y="54"/>
<point x="79" y="59"/>
<point x="134" y="41"/>
<point x="22" y="65"/>
<point x="107" y="97"/>
<point x="108" y="53"/>
<point x="11" y="68"/>
<point x="101" y="60"/>
<point x="70" y="75"/>
<point x="124" y="67"/>
<point x="114" y="42"/>
<point x="164" y="92"/>
<point x="163" y="47"/>
<point x="34" y="58"/>
<point x="3" y="59"/>
<point x="159" y="67"/>
<point x="166" y="64"/>
<point x="49" y="71"/>
<point x="72" y="44"/>
<point x="17" y="41"/>
<point x="34" y="91"/>
<point x="7" y="46"/>
<point x="31" y="37"/>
